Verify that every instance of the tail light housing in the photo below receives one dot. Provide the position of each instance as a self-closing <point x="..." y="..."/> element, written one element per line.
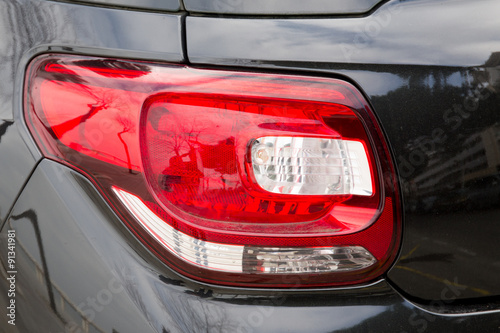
<point x="234" y="178"/>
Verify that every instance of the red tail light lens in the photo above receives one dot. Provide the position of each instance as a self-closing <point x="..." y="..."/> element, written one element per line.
<point x="230" y="177"/>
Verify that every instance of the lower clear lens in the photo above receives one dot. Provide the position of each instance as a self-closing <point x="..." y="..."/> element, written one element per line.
<point x="307" y="260"/>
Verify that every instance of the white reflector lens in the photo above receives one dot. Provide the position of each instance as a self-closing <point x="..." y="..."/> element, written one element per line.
<point x="311" y="166"/>
<point x="239" y="258"/>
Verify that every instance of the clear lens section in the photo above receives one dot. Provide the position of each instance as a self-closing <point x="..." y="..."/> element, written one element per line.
<point x="307" y="260"/>
<point x="311" y="166"/>
<point x="236" y="258"/>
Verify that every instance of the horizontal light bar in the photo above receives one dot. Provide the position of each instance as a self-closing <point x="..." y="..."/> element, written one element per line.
<point x="238" y="258"/>
<point x="311" y="166"/>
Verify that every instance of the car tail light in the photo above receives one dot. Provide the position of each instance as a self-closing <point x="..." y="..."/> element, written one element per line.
<point x="235" y="178"/>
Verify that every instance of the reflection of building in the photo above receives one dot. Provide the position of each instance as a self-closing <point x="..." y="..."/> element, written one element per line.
<point x="479" y="158"/>
<point x="492" y="66"/>
<point x="491" y="140"/>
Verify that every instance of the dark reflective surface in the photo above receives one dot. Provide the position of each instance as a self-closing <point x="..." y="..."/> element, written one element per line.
<point x="26" y="25"/>
<point x="448" y="153"/>
<point x="76" y="269"/>
<point x="280" y="7"/>
<point x="16" y="163"/>
<point x="63" y="283"/>
<point x="418" y="32"/>
<point x="437" y="94"/>
<point x="168" y="5"/>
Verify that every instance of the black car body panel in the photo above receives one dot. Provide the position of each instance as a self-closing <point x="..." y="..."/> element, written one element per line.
<point x="431" y="71"/>
<point x="430" y="33"/>
<point x="57" y="289"/>
<point x="280" y="7"/>
<point x="160" y="5"/>
<point x="19" y="164"/>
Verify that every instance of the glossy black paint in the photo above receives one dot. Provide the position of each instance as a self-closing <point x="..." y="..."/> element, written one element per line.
<point x="78" y="255"/>
<point x="420" y="32"/>
<point x="163" y="5"/>
<point x="280" y="7"/>
<point x="434" y="83"/>
<point x="17" y="161"/>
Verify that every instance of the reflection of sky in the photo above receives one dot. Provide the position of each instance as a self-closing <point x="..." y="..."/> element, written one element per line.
<point x="379" y="84"/>
<point x="419" y="32"/>
<point x="455" y="79"/>
<point x="295" y="7"/>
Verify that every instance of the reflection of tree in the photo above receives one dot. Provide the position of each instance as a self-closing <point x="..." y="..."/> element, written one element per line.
<point x="180" y="175"/>
<point x="56" y="295"/>
<point x="180" y="144"/>
<point x="197" y="311"/>
<point x="220" y="158"/>
<point x="3" y="128"/>
<point x="425" y="97"/>
<point x="216" y="156"/>
<point x="106" y="105"/>
<point x="198" y="157"/>
<point x="461" y="106"/>
<point x="31" y="216"/>
<point x="62" y="128"/>
<point x="128" y="126"/>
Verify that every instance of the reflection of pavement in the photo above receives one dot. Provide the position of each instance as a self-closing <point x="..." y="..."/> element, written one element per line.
<point x="31" y="294"/>
<point x="460" y="248"/>
<point x="32" y="297"/>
